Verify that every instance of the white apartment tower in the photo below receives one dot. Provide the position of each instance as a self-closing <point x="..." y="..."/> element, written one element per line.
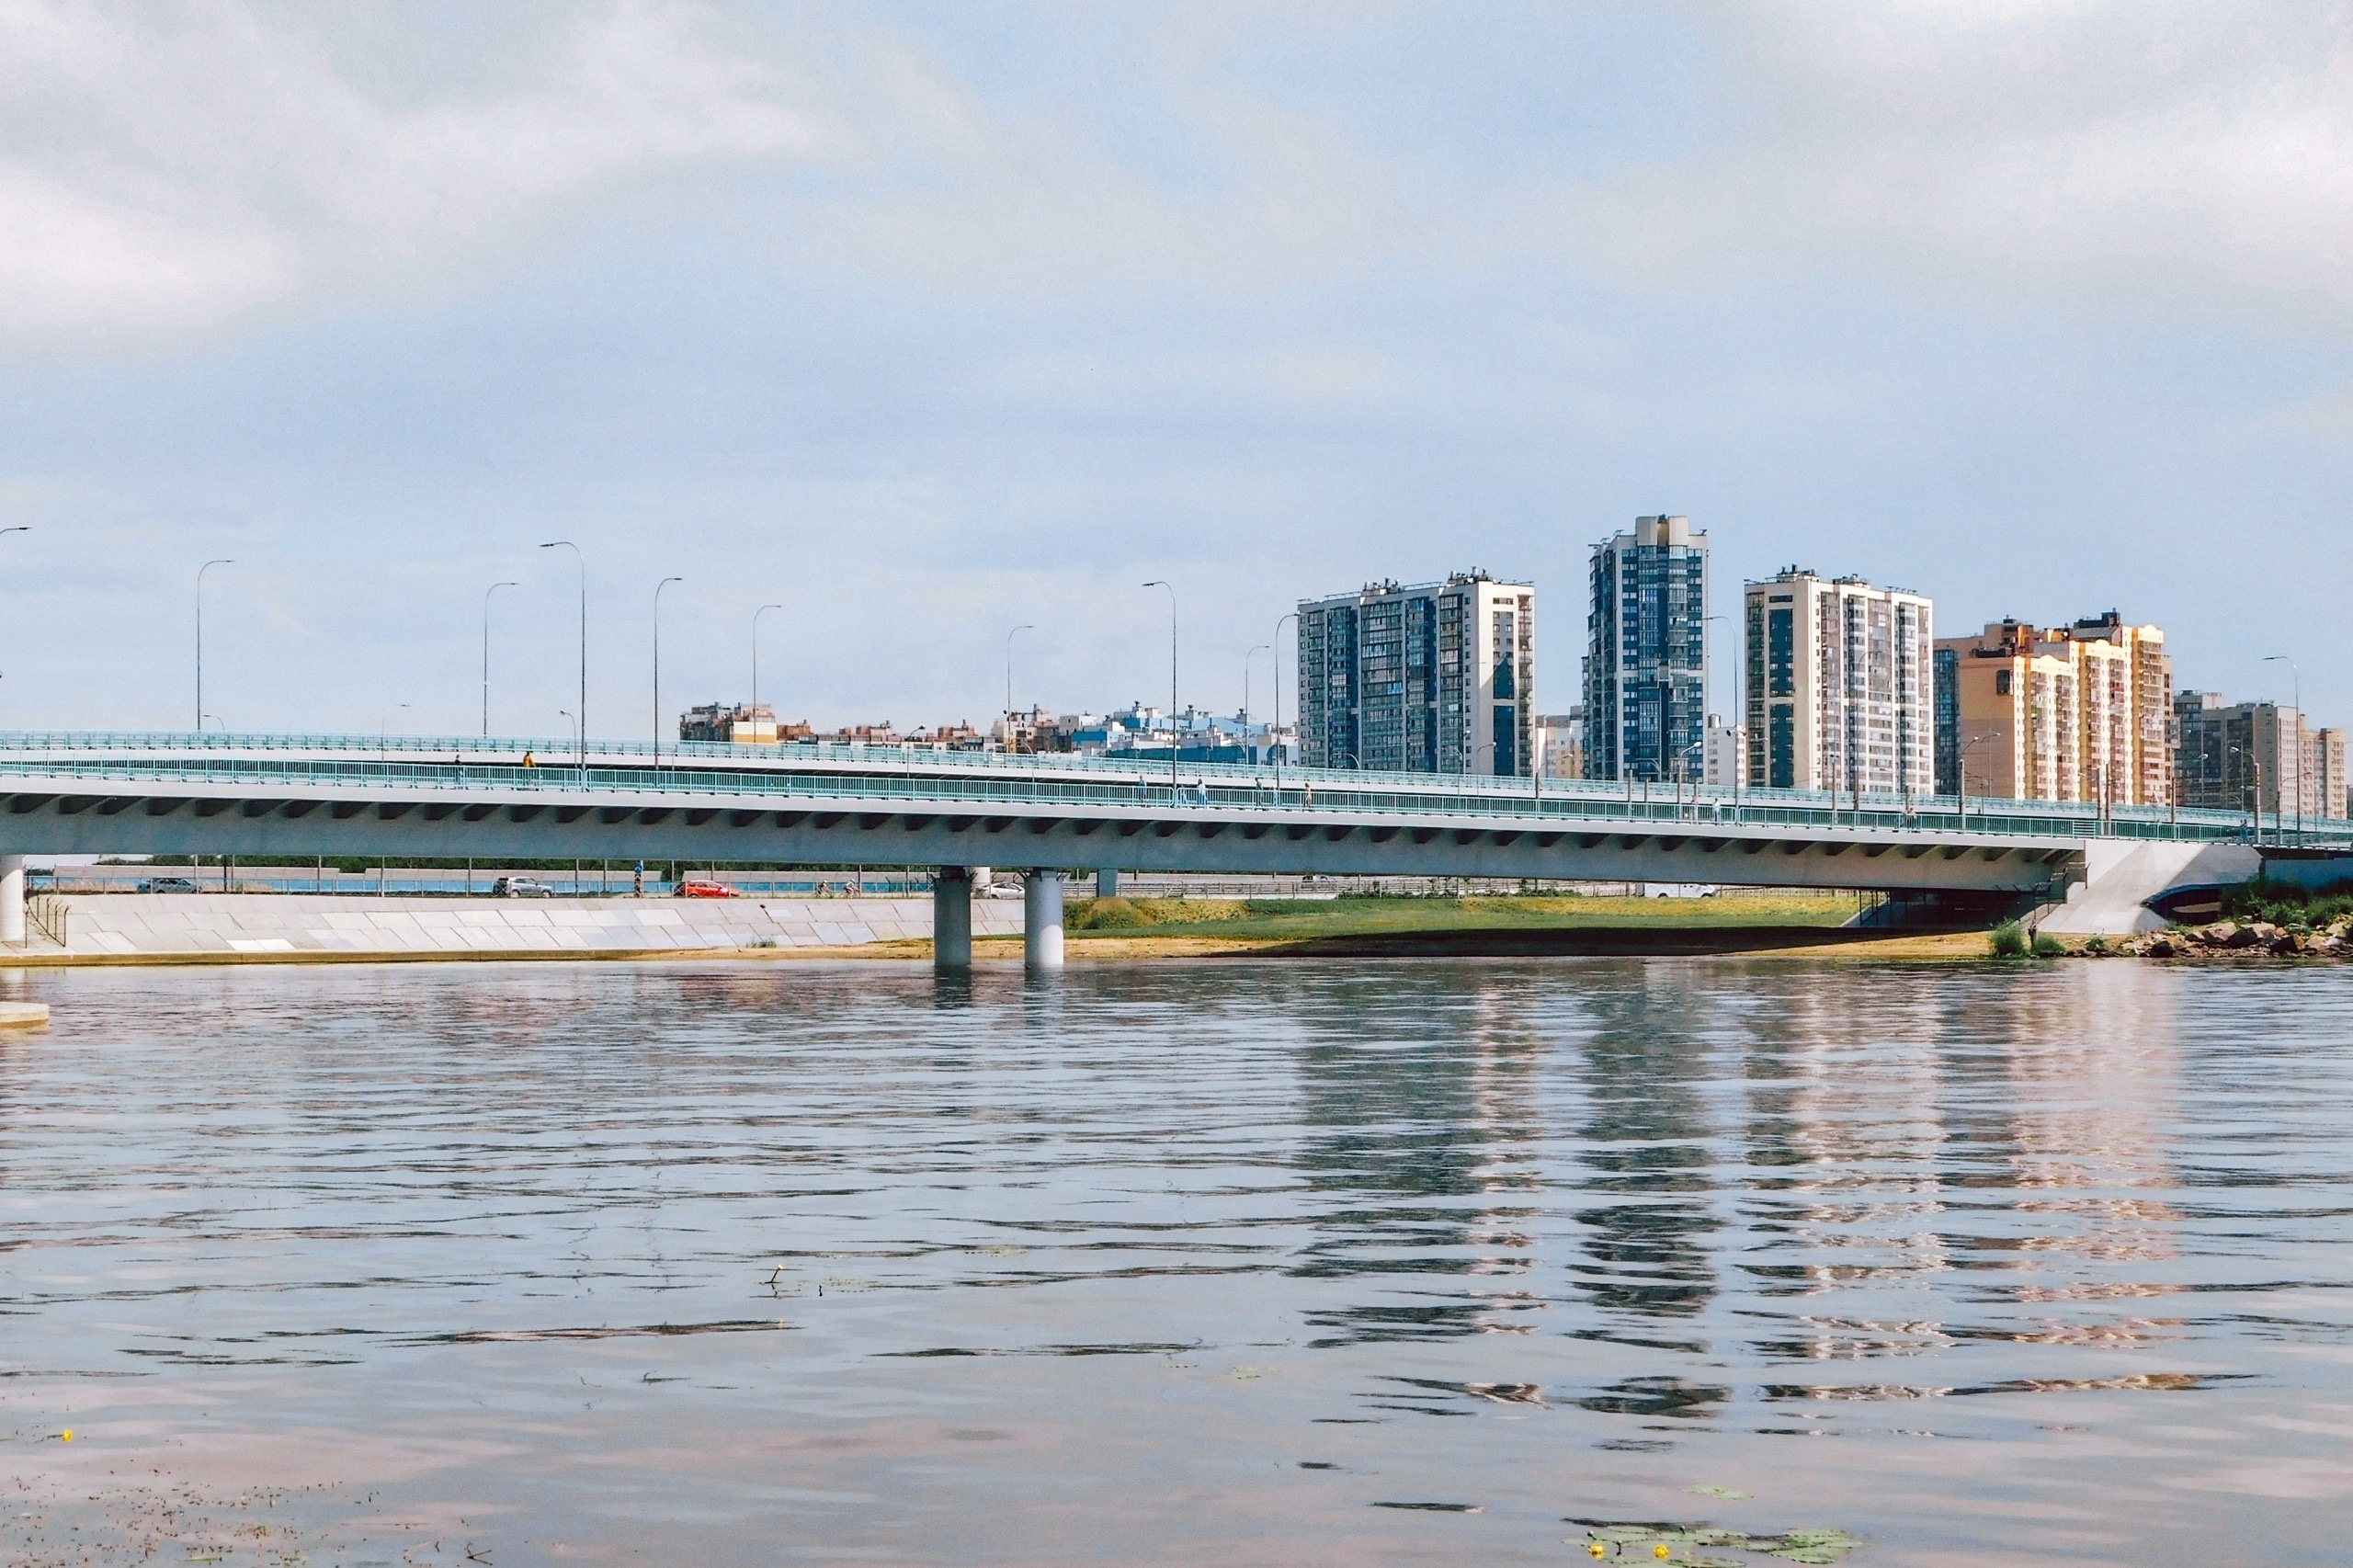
<point x="1840" y="686"/>
<point x="1432" y="677"/>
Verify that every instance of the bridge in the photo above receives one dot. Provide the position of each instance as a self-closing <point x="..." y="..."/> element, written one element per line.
<point x="349" y="796"/>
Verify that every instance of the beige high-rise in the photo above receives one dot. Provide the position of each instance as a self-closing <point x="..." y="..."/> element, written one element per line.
<point x="1837" y="687"/>
<point x="2080" y="712"/>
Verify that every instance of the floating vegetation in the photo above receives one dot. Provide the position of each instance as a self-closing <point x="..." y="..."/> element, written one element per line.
<point x="1690" y="1544"/>
<point x="1731" y="1493"/>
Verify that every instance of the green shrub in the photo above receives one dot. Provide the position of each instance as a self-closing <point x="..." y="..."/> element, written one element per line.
<point x="2049" y="946"/>
<point x="2009" y="940"/>
<point x="2288" y="903"/>
<point x="2097" y="947"/>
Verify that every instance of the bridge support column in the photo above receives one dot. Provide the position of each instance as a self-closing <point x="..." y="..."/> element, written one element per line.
<point x="952" y="920"/>
<point x="1041" y="920"/>
<point x="1107" y="883"/>
<point x="12" y="900"/>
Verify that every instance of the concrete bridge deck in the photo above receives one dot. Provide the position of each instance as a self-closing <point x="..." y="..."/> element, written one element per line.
<point x="419" y="796"/>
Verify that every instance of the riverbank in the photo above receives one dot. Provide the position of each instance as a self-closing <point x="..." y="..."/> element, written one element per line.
<point x="135" y="930"/>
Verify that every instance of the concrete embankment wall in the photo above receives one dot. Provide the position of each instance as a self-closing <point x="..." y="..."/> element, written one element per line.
<point x="177" y="925"/>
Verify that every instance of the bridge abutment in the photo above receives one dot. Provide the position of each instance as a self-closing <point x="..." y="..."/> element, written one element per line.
<point x="952" y="919"/>
<point x="12" y="900"/>
<point x="1041" y="920"/>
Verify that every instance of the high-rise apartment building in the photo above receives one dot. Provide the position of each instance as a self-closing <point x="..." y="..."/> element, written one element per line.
<point x="1560" y="743"/>
<point x="2258" y="756"/>
<point x="2080" y="712"/>
<point x="1839" y="686"/>
<point x="1435" y="678"/>
<point x="1727" y="750"/>
<point x="2325" y="753"/>
<point x="1646" y="653"/>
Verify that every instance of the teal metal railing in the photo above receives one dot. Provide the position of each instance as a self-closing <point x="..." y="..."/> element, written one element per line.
<point x="900" y="782"/>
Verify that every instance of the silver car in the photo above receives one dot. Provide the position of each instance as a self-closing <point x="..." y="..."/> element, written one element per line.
<point x="520" y="887"/>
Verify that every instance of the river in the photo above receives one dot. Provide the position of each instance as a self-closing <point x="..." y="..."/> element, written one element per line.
<point x="1230" y="1262"/>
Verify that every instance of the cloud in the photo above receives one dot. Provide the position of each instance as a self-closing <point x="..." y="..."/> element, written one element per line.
<point x="2074" y="157"/>
<point x="169" y="169"/>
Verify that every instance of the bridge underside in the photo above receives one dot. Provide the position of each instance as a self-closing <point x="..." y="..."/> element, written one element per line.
<point x="489" y="826"/>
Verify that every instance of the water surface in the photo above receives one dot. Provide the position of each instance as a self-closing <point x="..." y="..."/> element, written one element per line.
<point x="1234" y="1262"/>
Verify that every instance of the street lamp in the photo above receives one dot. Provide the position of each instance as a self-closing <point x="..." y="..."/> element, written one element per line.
<point x="199" y="638"/>
<point x="485" y="652"/>
<point x="1260" y="648"/>
<point x="2254" y="801"/>
<point x="570" y="722"/>
<point x="657" y="664"/>
<point x="28" y="527"/>
<point x="1962" y="782"/>
<point x="1172" y="681"/>
<point x="2298" y="676"/>
<point x="581" y="718"/>
<point x="1278" y="646"/>
<point x="383" y="730"/>
<point x="1008" y="682"/>
<point x="755" y="660"/>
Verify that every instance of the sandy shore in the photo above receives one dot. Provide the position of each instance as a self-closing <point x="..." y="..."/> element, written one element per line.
<point x="1791" y="942"/>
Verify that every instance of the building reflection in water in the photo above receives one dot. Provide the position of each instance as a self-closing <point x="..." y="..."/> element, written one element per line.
<point x="1946" y="1148"/>
<point x="1420" y="1128"/>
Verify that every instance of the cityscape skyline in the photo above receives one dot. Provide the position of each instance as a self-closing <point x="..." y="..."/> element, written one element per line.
<point x="912" y="337"/>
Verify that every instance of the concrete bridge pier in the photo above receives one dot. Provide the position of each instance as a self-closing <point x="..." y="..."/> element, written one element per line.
<point x="12" y="900"/>
<point x="952" y="920"/>
<point x="1041" y="920"/>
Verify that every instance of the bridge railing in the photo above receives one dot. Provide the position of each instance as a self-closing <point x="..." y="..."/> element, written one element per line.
<point x="1582" y="797"/>
<point x="1338" y="792"/>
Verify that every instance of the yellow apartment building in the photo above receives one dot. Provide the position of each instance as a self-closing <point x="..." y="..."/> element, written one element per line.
<point x="2079" y="712"/>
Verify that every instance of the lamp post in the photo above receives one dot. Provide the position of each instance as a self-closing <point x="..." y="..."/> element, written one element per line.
<point x="2254" y="801"/>
<point x="1259" y="648"/>
<point x="1009" y="636"/>
<point x="2297" y="675"/>
<point x="1172" y="682"/>
<point x="199" y="638"/>
<point x="384" y="729"/>
<point x="1278" y="646"/>
<point x="657" y="664"/>
<point x="755" y="661"/>
<point x="1962" y="782"/>
<point x="485" y="654"/>
<point x="28" y="527"/>
<point x="580" y="719"/>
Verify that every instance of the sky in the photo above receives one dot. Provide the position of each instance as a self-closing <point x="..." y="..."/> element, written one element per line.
<point x="925" y="322"/>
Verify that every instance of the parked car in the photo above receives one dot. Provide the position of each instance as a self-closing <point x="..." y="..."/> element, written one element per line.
<point x="707" y="889"/>
<point x="520" y="887"/>
<point x="167" y="884"/>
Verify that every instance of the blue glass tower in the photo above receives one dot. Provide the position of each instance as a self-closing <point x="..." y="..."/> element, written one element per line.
<point x="1646" y="654"/>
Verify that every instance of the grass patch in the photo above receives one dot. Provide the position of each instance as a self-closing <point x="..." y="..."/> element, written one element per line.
<point x="2049" y="946"/>
<point x="1307" y="919"/>
<point x="1132" y="916"/>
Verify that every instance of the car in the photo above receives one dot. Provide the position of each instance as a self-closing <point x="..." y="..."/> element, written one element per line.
<point x="691" y="888"/>
<point x="520" y="887"/>
<point x="167" y="884"/>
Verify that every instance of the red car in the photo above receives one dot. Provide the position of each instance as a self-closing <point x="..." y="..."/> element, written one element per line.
<point x="707" y="889"/>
